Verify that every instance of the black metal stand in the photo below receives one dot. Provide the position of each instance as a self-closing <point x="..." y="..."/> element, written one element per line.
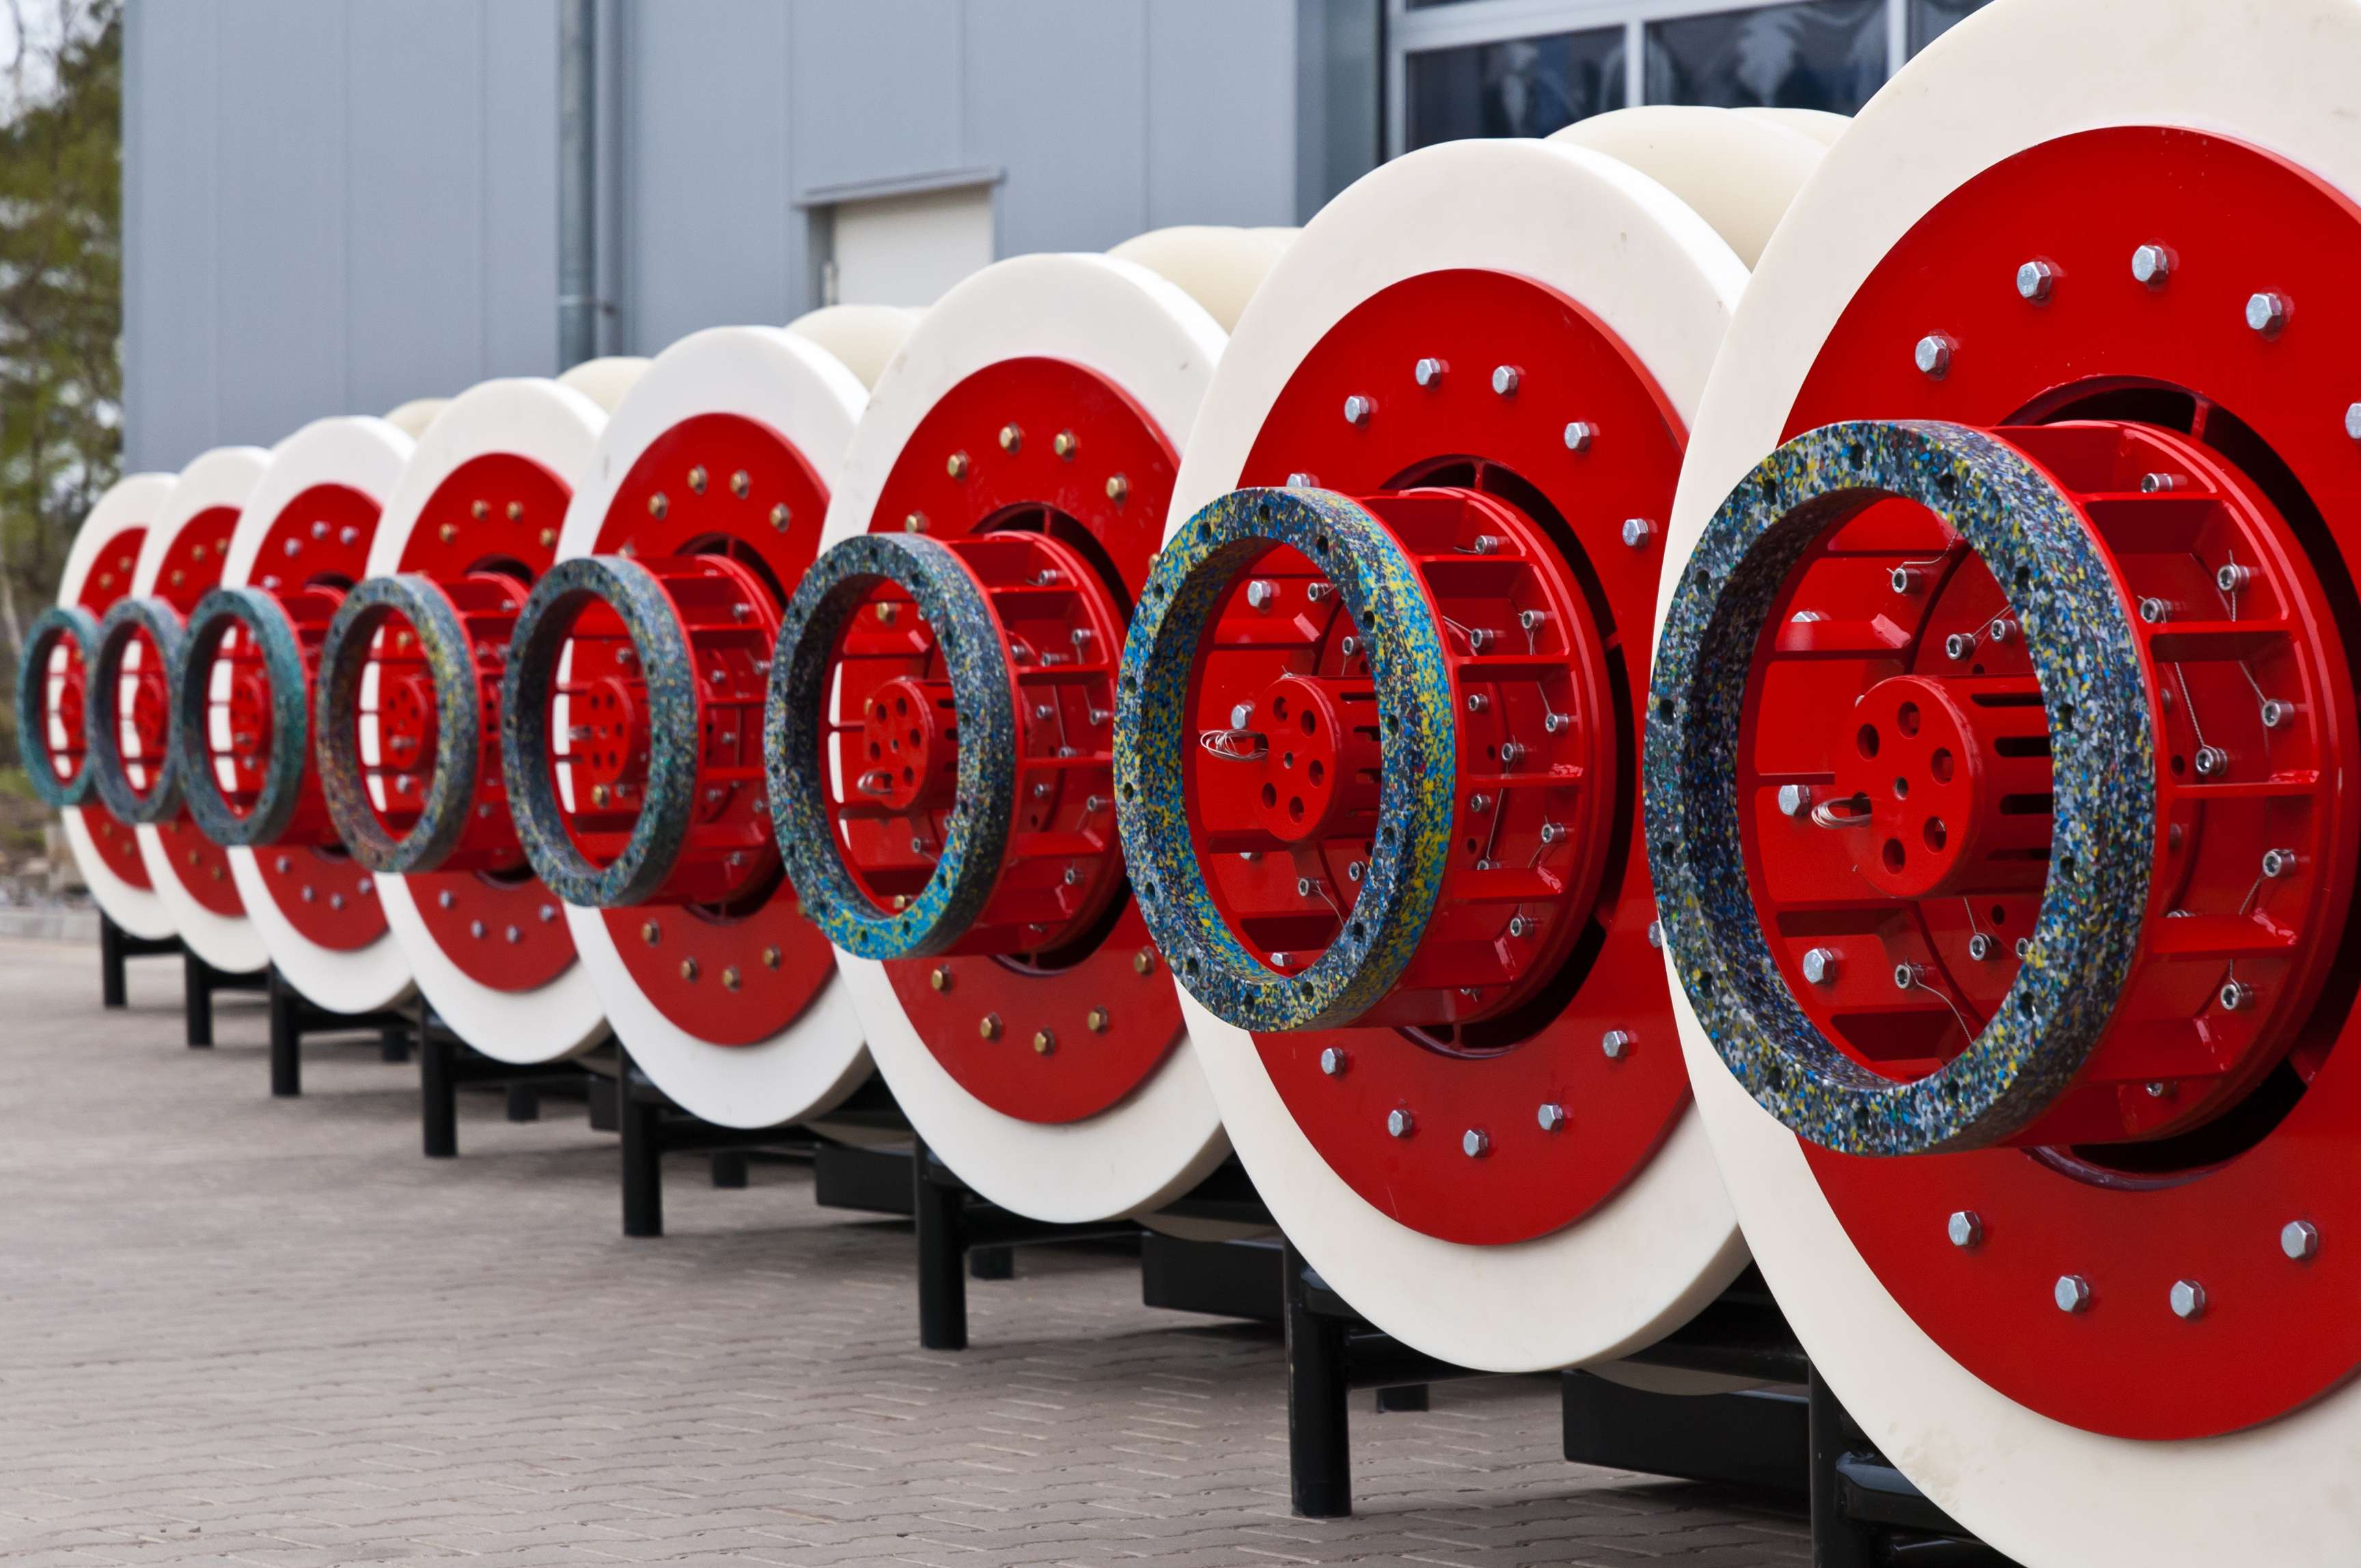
<point x="115" y="945"/>
<point x="653" y="1127"/>
<point x="293" y="1018"/>
<point x="446" y="1062"/>
<point x="199" y="983"/>
<point x="956" y="1231"/>
<point x="1865" y="1513"/>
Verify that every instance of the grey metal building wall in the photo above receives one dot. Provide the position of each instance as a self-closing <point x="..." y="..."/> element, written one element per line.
<point x="333" y="206"/>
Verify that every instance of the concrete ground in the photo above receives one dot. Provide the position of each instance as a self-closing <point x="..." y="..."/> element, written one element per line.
<point x="240" y="1331"/>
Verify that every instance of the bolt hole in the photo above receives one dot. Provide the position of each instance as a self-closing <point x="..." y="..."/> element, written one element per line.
<point x="1269" y="794"/>
<point x="1906" y="719"/>
<point x="1295" y="809"/>
<point x="1902" y="789"/>
<point x="1935" y="833"/>
<point x="1895" y="857"/>
<point x="1311" y="727"/>
<point x="1999" y="915"/>
<point x="2179" y="766"/>
<point x="2066" y="865"/>
<point x="1867" y="740"/>
<point x="1279" y="708"/>
<point x="1287" y="760"/>
<point x="1942" y="765"/>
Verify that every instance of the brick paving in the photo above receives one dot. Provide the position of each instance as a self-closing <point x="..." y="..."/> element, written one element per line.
<point x="240" y="1332"/>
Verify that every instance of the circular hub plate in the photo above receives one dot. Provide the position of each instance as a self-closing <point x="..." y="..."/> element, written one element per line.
<point x="2274" y="1331"/>
<point x="191" y="567"/>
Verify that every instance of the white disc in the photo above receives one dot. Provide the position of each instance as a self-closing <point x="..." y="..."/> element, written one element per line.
<point x="604" y="381"/>
<point x="364" y="455"/>
<point x="2020" y="74"/>
<point x="413" y="416"/>
<point x="785" y="381"/>
<point x="133" y="501"/>
<point x="1738" y="171"/>
<point x="557" y="427"/>
<point x="1219" y="268"/>
<point x="222" y="478"/>
<point x="1657" y="275"/>
<point x="1150" y="338"/>
<point x="865" y="337"/>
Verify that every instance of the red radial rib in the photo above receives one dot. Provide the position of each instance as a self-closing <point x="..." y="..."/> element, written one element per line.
<point x="2257" y="1116"/>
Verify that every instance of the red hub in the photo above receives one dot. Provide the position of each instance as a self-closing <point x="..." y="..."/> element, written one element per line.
<point x="2207" y="1143"/>
<point x="191" y="567"/>
<point x="1524" y="1067"/>
<point x="1050" y="484"/>
<point x="109" y="580"/>
<point x="727" y="514"/>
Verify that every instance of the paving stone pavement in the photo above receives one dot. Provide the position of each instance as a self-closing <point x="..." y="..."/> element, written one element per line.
<point x="238" y="1330"/>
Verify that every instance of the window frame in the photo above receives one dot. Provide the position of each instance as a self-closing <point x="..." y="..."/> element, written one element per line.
<point x="1465" y="22"/>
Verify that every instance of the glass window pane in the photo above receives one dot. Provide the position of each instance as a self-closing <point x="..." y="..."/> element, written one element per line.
<point x="1825" y="54"/>
<point x="1519" y="87"/>
<point x="1930" y="20"/>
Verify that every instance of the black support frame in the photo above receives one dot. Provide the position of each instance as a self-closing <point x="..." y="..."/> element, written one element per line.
<point x="293" y="1018"/>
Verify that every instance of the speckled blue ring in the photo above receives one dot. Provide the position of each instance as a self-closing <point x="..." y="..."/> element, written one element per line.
<point x="1380" y="587"/>
<point x="104" y="742"/>
<point x="2078" y="630"/>
<point x="54" y="625"/>
<point x="983" y="697"/>
<point x="661" y="645"/>
<point x="458" y="723"/>
<point x="291" y="717"/>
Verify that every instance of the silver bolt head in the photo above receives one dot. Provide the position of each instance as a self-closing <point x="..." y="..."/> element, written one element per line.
<point x="2233" y="577"/>
<point x="474" y="927"/>
<point x="2154" y="611"/>
<point x="1820" y="966"/>
<point x="1933" y="356"/>
<point x="1399" y="1123"/>
<point x="2266" y="313"/>
<point x="1260" y="593"/>
<point x="2211" y="759"/>
<point x="1474" y="1144"/>
<point x="1532" y="620"/>
<point x="1958" y="646"/>
<point x="2151" y="265"/>
<point x="2234" y="996"/>
<point x="1965" y="1227"/>
<point x="2277" y="863"/>
<point x="2275" y="713"/>
<point x="1300" y="482"/>
<point x="1979" y="947"/>
<point x="1905" y="976"/>
<point x="1241" y="715"/>
<point x="1073" y="876"/>
<point x="1427" y="371"/>
<point x="1333" y="1061"/>
<point x="1518" y="925"/>
<point x="1505" y="380"/>
<point x="2300" y="1239"/>
<point x="548" y="911"/>
<point x="1551" y="1116"/>
<point x="2353" y="421"/>
<point x="1656" y="934"/>
<point x="2072" y="1293"/>
<point x="2000" y="628"/>
<point x="1351" y="645"/>
<point x="366" y="886"/>
<point x="1904" y="580"/>
<point x="446" y="898"/>
<point x="1794" y="799"/>
<point x="1616" y="1044"/>
<point x="2023" y="947"/>
<point x="1580" y="434"/>
<point x="1638" y="531"/>
<point x="2034" y="280"/>
<point x="1357" y="409"/>
<point x="2188" y="1299"/>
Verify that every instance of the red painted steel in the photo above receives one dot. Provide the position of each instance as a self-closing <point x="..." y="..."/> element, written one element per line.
<point x="109" y="579"/>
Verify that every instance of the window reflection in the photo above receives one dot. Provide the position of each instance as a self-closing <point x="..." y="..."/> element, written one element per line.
<point x="1825" y="54"/>
<point x="1930" y="20"/>
<point x="1520" y="87"/>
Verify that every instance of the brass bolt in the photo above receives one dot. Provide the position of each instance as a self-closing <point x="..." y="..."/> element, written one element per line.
<point x="915" y="523"/>
<point x="657" y="505"/>
<point x="1011" y="439"/>
<point x="548" y="537"/>
<point x="941" y="979"/>
<point x="198" y="553"/>
<point x="516" y="511"/>
<point x="688" y="968"/>
<point x="1044" y="1042"/>
<point x="1065" y="444"/>
<point x="956" y="466"/>
<point x="901" y="902"/>
<point x="177" y="575"/>
<point x="769" y="958"/>
<point x="730" y="977"/>
<point x="599" y="794"/>
<point x="215" y="871"/>
<point x="1097" y="1019"/>
<point x="1117" y="488"/>
<point x="696" y="478"/>
<point x="649" y="932"/>
<point x="885" y="614"/>
<point x="448" y="532"/>
<point x="480" y="511"/>
<point x="1142" y="961"/>
<point x="989" y="1026"/>
<point x="781" y="517"/>
<point x="741" y="483"/>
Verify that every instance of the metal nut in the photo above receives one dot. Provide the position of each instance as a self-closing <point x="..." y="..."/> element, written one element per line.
<point x="1399" y="1123"/>
<point x="2072" y="1293"/>
<point x="1820" y="966"/>
<point x="1965" y="1227"/>
<point x="2188" y="1299"/>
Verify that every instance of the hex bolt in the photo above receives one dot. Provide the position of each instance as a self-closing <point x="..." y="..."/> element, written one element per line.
<point x="2353" y="421"/>
<point x="547" y="913"/>
<point x="475" y="930"/>
<point x="1098" y="1020"/>
<point x="1637" y="531"/>
<point x="1795" y="800"/>
<point x="688" y="969"/>
<point x="1118" y="487"/>
<point x="1142" y="961"/>
<point x="940" y="978"/>
<point x="2154" y="611"/>
<point x="1261" y="594"/>
<point x="1959" y="646"/>
<point x="1474" y="1144"/>
<point x="1965" y="1227"/>
<point x="1656" y="934"/>
<point x="989" y="1026"/>
<point x="1820" y="966"/>
<point x="2277" y="863"/>
<point x="1241" y="715"/>
<point x="2267" y="312"/>
<point x="741" y="484"/>
<point x="781" y="515"/>
<point x="2211" y="759"/>
<point x="2275" y="713"/>
<point x="1044" y="1042"/>
<point x="650" y="932"/>
<point x="914" y="524"/>
<point x="1357" y="410"/>
<point x="1979" y="947"/>
<point x="2187" y="1299"/>
<point x="2152" y="265"/>
<point x="771" y="957"/>
<point x="446" y="898"/>
<point x="2072" y="1293"/>
<point x="1616" y="1044"/>
<point x="2036" y="280"/>
<point x="1400" y="1122"/>
<point x="1551" y="1116"/>
<point x="307" y="895"/>
<point x="513" y="935"/>
<point x="2234" y="995"/>
<point x="1426" y="372"/>
<point x="1064" y="444"/>
<point x="1334" y="1061"/>
<point x="1933" y="356"/>
<point x="2300" y="1239"/>
<point x="1301" y="481"/>
<point x="1505" y="378"/>
<point x="1580" y="434"/>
